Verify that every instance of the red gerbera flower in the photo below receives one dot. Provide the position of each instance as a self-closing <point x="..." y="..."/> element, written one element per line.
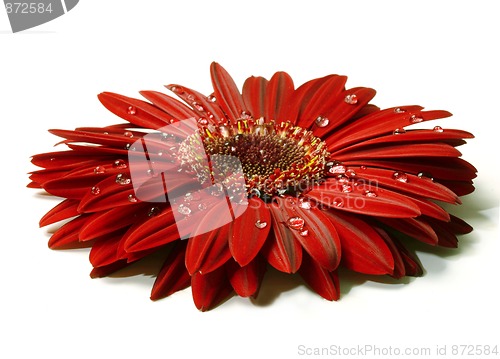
<point x="305" y="180"/>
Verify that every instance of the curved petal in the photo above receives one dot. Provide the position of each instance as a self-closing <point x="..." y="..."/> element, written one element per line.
<point x="64" y="210"/>
<point x="363" y="250"/>
<point x="246" y="280"/>
<point x="279" y="91"/>
<point x="322" y="281"/>
<point x="210" y="289"/>
<point x="173" y="275"/>
<point x="250" y="231"/>
<point x="226" y="92"/>
<point x="254" y="95"/>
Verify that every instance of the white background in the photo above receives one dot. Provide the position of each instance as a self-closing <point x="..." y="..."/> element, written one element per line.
<point x="439" y="54"/>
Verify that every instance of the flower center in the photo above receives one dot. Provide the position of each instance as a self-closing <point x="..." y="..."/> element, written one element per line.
<point x="275" y="158"/>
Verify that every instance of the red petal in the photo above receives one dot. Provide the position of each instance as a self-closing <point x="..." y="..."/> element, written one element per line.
<point x="279" y="91"/>
<point x="207" y="251"/>
<point x="321" y="240"/>
<point x="248" y="237"/>
<point x="67" y="235"/>
<point x="323" y="282"/>
<point x="104" y="271"/>
<point x="105" y="251"/>
<point x="176" y="109"/>
<point x="415" y="228"/>
<point x="385" y="204"/>
<point x="399" y="266"/>
<point x="363" y="250"/>
<point x="414" y="185"/>
<point x="254" y="95"/>
<point x="210" y="289"/>
<point x="282" y="250"/>
<point x="226" y="92"/>
<point x="327" y="96"/>
<point x="143" y="114"/>
<point x="64" y="210"/>
<point x="173" y="275"/>
<point x="246" y="280"/>
<point x="343" y="111"/>
<point x="109" y="221"/>
<point x="151" y="232"/>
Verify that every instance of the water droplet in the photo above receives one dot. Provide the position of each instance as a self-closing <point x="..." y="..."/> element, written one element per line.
<point x="295" y="223"/>
<point x="399" y="131"/>
<point x="339" y="203"/>
<point x="131" y="110"/>
<point x="304" y="233"/>
<point x="399" y="110"/>
<point x="120" y="164"/>
<point x="154" y="211"/>
<point x="363" y="168"/>
<point x="202" y="121"/>
<point x="151" y="173"/>
<point x="128" y="134"/>
<point x="233" y="149"/>
<point x="350" y="173"/>
<point x="217" y="191"/>
<point x="95" y="190"/>
<point x="346" y="188"/>
<point x="438" y="129"/>
<point x="127" y="146"/>
<point x="416" y="119"/>
<point x="260" y="224"/>
<point x="425" y="175"/>
<point x="198" y="107"/>
<point x="99" y="170"/>
<point x="183" y="209"/>
<point x="195" y="196"/>
<point x="322" y="121"/>
<point x="211" y="98"/>
<point x="342" y="179"/>
<point x="202" y="206"/>
<point x="400" y="176"/>
<point x="370" y="194"/>
<point x="337" y="169"/>
<point x="351" y="99"/>
<point x="305" y="204"/>
<point x="122" y="179"/>
<point x="132" y="198"/>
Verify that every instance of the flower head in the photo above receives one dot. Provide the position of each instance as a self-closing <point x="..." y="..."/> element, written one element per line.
<point x="305" y="180"/>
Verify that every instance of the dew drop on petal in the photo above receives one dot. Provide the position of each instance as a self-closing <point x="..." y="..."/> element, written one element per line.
<point x="339" y="203"/>
<point x="425" y="175"/>
<point x="304" y="233"/>
<point x="399" y="110"/>
<point x="131" y="110"/>
<point x="99" y="170"/>
<point x="224" y="131"/>
<point x="305" y="204"/>
<point x="295" y="223"/>
<point x="120" y="164"/>
<point x="198" y="107"/>
<point x="346" y="188"/>
<point x="416" y="119"/>
<point x="202" y="207"/>
<point x="400" y="176"/>
<point x="128" y="134"/>
<point x="438" y="129"/>
<point x="322" y="121"/>
<point x="351" y="99"/>
<point x="350" y="173"/>
<point x="211" y="98"/>
<point x="183" y="209"/>
<point x="217" y="191"/>
<point x="399" y="131"/>
<point x="370" y="194"/>
<point x="202" y="121"/>
<point x="337" y="169"/>
<point x="260" y="224"/>
<point x="363" y="168"/>
<point x="132" y="198"/>
<point x="122" y="179"/>
<point x="95" y="190"/>
<point x="153" y="212"/>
